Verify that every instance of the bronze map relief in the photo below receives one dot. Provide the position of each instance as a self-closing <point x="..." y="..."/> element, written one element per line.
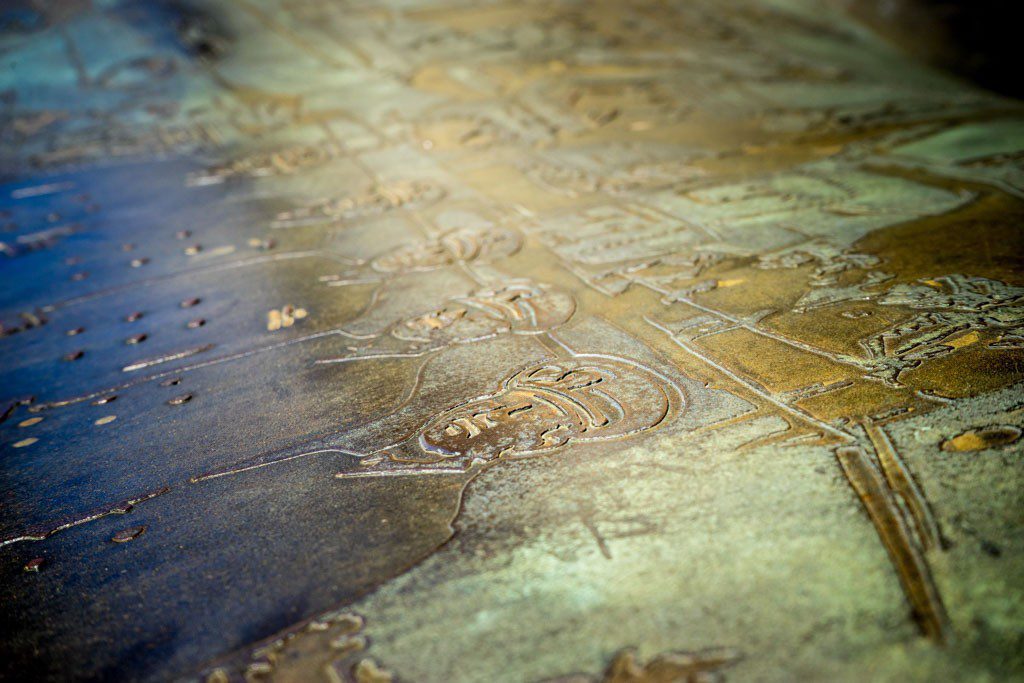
<point x="619" y="342"/>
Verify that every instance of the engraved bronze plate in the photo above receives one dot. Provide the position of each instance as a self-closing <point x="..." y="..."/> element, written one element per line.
<point x="499" y="341"/>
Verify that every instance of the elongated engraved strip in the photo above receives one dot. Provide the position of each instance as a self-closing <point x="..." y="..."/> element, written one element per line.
<point x="910" y="565"/>
<point x="901" y="481"/>
<point x="150" y="362"/>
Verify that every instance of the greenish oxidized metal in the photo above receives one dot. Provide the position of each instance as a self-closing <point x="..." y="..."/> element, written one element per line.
<point x="434" y="341"/>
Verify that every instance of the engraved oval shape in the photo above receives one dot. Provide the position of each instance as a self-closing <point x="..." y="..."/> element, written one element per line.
<point x="129" y="534"/>
<point x="981" y="438"/>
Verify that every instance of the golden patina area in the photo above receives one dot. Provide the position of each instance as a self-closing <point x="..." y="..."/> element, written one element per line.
<point x="424" y="340"/>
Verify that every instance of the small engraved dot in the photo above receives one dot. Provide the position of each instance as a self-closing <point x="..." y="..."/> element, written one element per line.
<point x="105" y="400"/>
<point x="53" y="217"/>
<point x="193" y="250"/>
<point x="189" y="303"/>
<point x="139" y="262"/>
<point x="75" y="330"/>
<point x="132" y="317"/>
<point x="33" y="565"/>
<point x="30" y="421"/>
<point x="193" y="324"/>
<point x="74" y="355"/>
<point x="127" y="246"/>
<point x="78" y="277"/>
<point x="25" y="442"/>
<point x="183" y="234"/>
<point x="105" y="420"/>
<point x="180" y="400"/>
<point x="136" y="338"/>
<point x="129" y="534"/>
<point x="173" y="382"/>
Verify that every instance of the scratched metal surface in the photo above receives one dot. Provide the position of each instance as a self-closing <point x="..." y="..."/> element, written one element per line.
<point x="486" y="341"/>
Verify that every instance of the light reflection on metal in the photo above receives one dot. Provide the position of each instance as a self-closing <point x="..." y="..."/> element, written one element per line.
<point x="493" y="341"/>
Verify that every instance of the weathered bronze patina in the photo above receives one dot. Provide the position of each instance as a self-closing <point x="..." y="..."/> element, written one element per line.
<point x="499" y="341"/>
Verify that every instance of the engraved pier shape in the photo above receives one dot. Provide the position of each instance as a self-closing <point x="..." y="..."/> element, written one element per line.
<point x="702" y="666"/>
<point x="543" y="408"/>
<point x="537" y="410"/>
<point x="330" y="648"/>
<point x="380" y="199"/>
<point x="514" y="307"/>
<point x="456" y="246"/>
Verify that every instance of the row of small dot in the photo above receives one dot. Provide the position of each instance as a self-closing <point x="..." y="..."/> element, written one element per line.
<point x="106" y="419"/>
<point x="135" y="262"/>
<point x="137" y="338"/>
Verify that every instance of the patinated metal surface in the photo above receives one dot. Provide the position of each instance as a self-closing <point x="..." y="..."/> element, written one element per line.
<point x="484" y="341"/>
